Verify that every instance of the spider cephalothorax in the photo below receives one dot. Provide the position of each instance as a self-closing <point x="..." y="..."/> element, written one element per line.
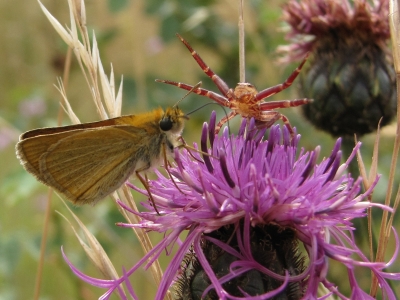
<point x="245" y="100"/>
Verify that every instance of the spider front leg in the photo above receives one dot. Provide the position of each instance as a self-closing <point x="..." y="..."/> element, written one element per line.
<point x="199" y="91"/>
<point x="280" y="87"/>
<point x="224" y="120"/>
<point x="219" y="82"/>
<point x="264" y="106"/>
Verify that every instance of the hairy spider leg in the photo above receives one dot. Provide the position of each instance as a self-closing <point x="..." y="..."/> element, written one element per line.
<point x="199" y="91"/>
<point x="283" y="103"/>
<point x="279" y="87"/>
<point x="209" y="94"/>
<point x="268" y="118"/>
<point x="219" y="82"/>
<point x="225" y="119"/>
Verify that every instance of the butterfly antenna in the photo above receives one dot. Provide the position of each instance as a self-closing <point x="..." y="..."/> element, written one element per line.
<point x="212" y="103"/>
<point x="195" y="87"/>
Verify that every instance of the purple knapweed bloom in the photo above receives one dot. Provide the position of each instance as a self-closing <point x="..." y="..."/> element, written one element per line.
<point x="246" y="207"/>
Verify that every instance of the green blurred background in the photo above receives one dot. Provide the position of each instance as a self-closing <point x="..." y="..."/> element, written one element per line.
<point x="138" y="38"/>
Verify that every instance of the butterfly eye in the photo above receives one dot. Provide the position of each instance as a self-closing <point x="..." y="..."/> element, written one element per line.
<point x="166" y="124"/>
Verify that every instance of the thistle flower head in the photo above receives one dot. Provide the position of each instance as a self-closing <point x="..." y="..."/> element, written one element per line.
<point x="350" y="74"/>
<point x="246" y="206"/>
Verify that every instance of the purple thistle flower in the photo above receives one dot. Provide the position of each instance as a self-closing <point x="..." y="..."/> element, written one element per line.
<point x="246" y="207"/>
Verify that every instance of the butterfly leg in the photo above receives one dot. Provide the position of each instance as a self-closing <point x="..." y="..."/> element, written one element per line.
<point x="167" y="166"/>
<point x="144" y="181"/>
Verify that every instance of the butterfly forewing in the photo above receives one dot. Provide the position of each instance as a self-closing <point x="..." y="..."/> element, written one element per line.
<point x="86" y="162"/>
<point x="93" y="165"/>
<point x="29" y="150"/>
